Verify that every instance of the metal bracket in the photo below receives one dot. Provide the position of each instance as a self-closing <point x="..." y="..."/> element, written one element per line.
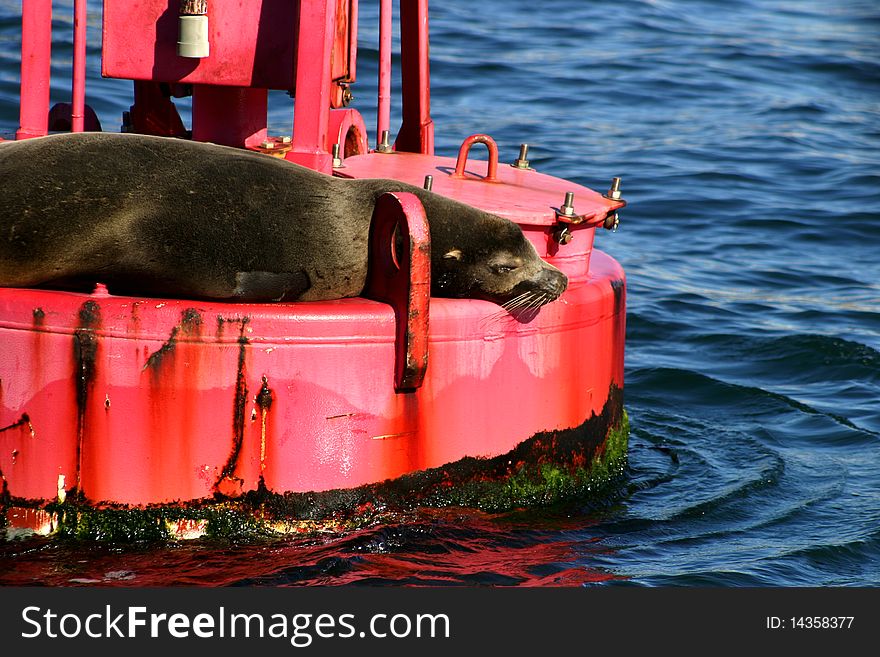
<point x="400" y="275"/>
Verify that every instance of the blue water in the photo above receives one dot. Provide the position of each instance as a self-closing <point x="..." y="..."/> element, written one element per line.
<point x="747" y="135"/>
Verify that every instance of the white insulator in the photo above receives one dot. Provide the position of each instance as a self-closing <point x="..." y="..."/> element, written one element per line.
<point x="193" y="37"/>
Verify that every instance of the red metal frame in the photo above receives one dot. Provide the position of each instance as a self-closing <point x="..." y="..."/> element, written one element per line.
<point x="78" y="95"/>
<point x="383" y="113"/>
<point x="417" y="129"/>
<point x="310" y="147"/>
<point x="230" y="108"/>
<point x="36" y="63"/>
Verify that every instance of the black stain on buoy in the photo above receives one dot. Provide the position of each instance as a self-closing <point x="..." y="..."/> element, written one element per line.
<point x="20" y="422"/>
<point x="85" y="352"/>
<point x="85" y="349"/>
<point x="190" y="324"/>
<point x="618" y="286"/>
<point x="238" y="405"/>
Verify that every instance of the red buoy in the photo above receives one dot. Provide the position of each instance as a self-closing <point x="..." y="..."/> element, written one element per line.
<point x="311" y="410"/>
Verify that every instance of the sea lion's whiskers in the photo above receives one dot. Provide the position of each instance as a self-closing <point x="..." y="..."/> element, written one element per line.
<point x="489" y="321"/>
<point x="536" y="301"/>
<point x="530" y="310"/>
<point x="522" y="310"/>
<point x="543" y="299"/>
<point x="511" y="303"/>
<point x="509" y="308"/>
<point x="522" y="301"/>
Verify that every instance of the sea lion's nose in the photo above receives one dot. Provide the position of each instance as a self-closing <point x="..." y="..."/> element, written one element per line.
<point x="554" y="282"/>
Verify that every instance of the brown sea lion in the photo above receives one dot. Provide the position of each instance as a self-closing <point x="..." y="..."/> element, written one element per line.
<point x="163" y="217"/>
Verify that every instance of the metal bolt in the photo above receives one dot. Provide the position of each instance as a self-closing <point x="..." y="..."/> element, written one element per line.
<point x="612" y="221"/>
<point x="347" y="96"/>
<point x="337" y="161"/>
<point x="429" y="182"/>
<point x="568" y="206"/>
<point x="286" y="139"/>
<point x="614" y="192"/>
<point x="384" y="145"/>
<point x="522" y="161"/>
<point x="563" y="235"/>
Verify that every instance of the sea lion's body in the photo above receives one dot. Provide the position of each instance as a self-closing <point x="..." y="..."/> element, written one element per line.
<point x="167" y="217"/>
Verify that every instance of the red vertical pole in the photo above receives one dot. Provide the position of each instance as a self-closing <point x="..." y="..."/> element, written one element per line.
<point x="36" y="62"/>
<point x="383" y="113"/>
<point x="417" y="129"/>
<point x="317" y="29"/>
<point x="79" y="66"/>
<point x="353" y="43"/>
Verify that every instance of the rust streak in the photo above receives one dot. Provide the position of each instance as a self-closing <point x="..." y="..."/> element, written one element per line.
<point x="336" y="417"/>
<point x="190" y="323"/>
<point x="238" y="407"/>
<point x="393" y="435"/>
<point x="264" y="401"/>
<point x="156" y="357"/>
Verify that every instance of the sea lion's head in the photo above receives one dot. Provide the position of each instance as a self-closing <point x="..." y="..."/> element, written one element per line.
<point x="483" y="256"/>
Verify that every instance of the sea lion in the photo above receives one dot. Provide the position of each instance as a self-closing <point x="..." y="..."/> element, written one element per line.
<point x="157" y="216"/>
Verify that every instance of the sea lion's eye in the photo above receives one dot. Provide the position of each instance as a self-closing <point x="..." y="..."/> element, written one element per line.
<point x="503" y="269"/>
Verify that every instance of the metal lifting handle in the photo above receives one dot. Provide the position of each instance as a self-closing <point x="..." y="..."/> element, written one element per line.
<point x="492" y="171"/>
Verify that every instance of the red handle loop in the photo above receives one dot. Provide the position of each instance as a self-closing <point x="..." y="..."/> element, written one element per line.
<point x="491" y="173"/>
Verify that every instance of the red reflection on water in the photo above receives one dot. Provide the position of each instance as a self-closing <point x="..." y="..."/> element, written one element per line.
<point x="437" y="548"/>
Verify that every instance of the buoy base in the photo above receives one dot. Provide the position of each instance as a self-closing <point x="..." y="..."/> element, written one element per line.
<point x="548" y="468"/>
